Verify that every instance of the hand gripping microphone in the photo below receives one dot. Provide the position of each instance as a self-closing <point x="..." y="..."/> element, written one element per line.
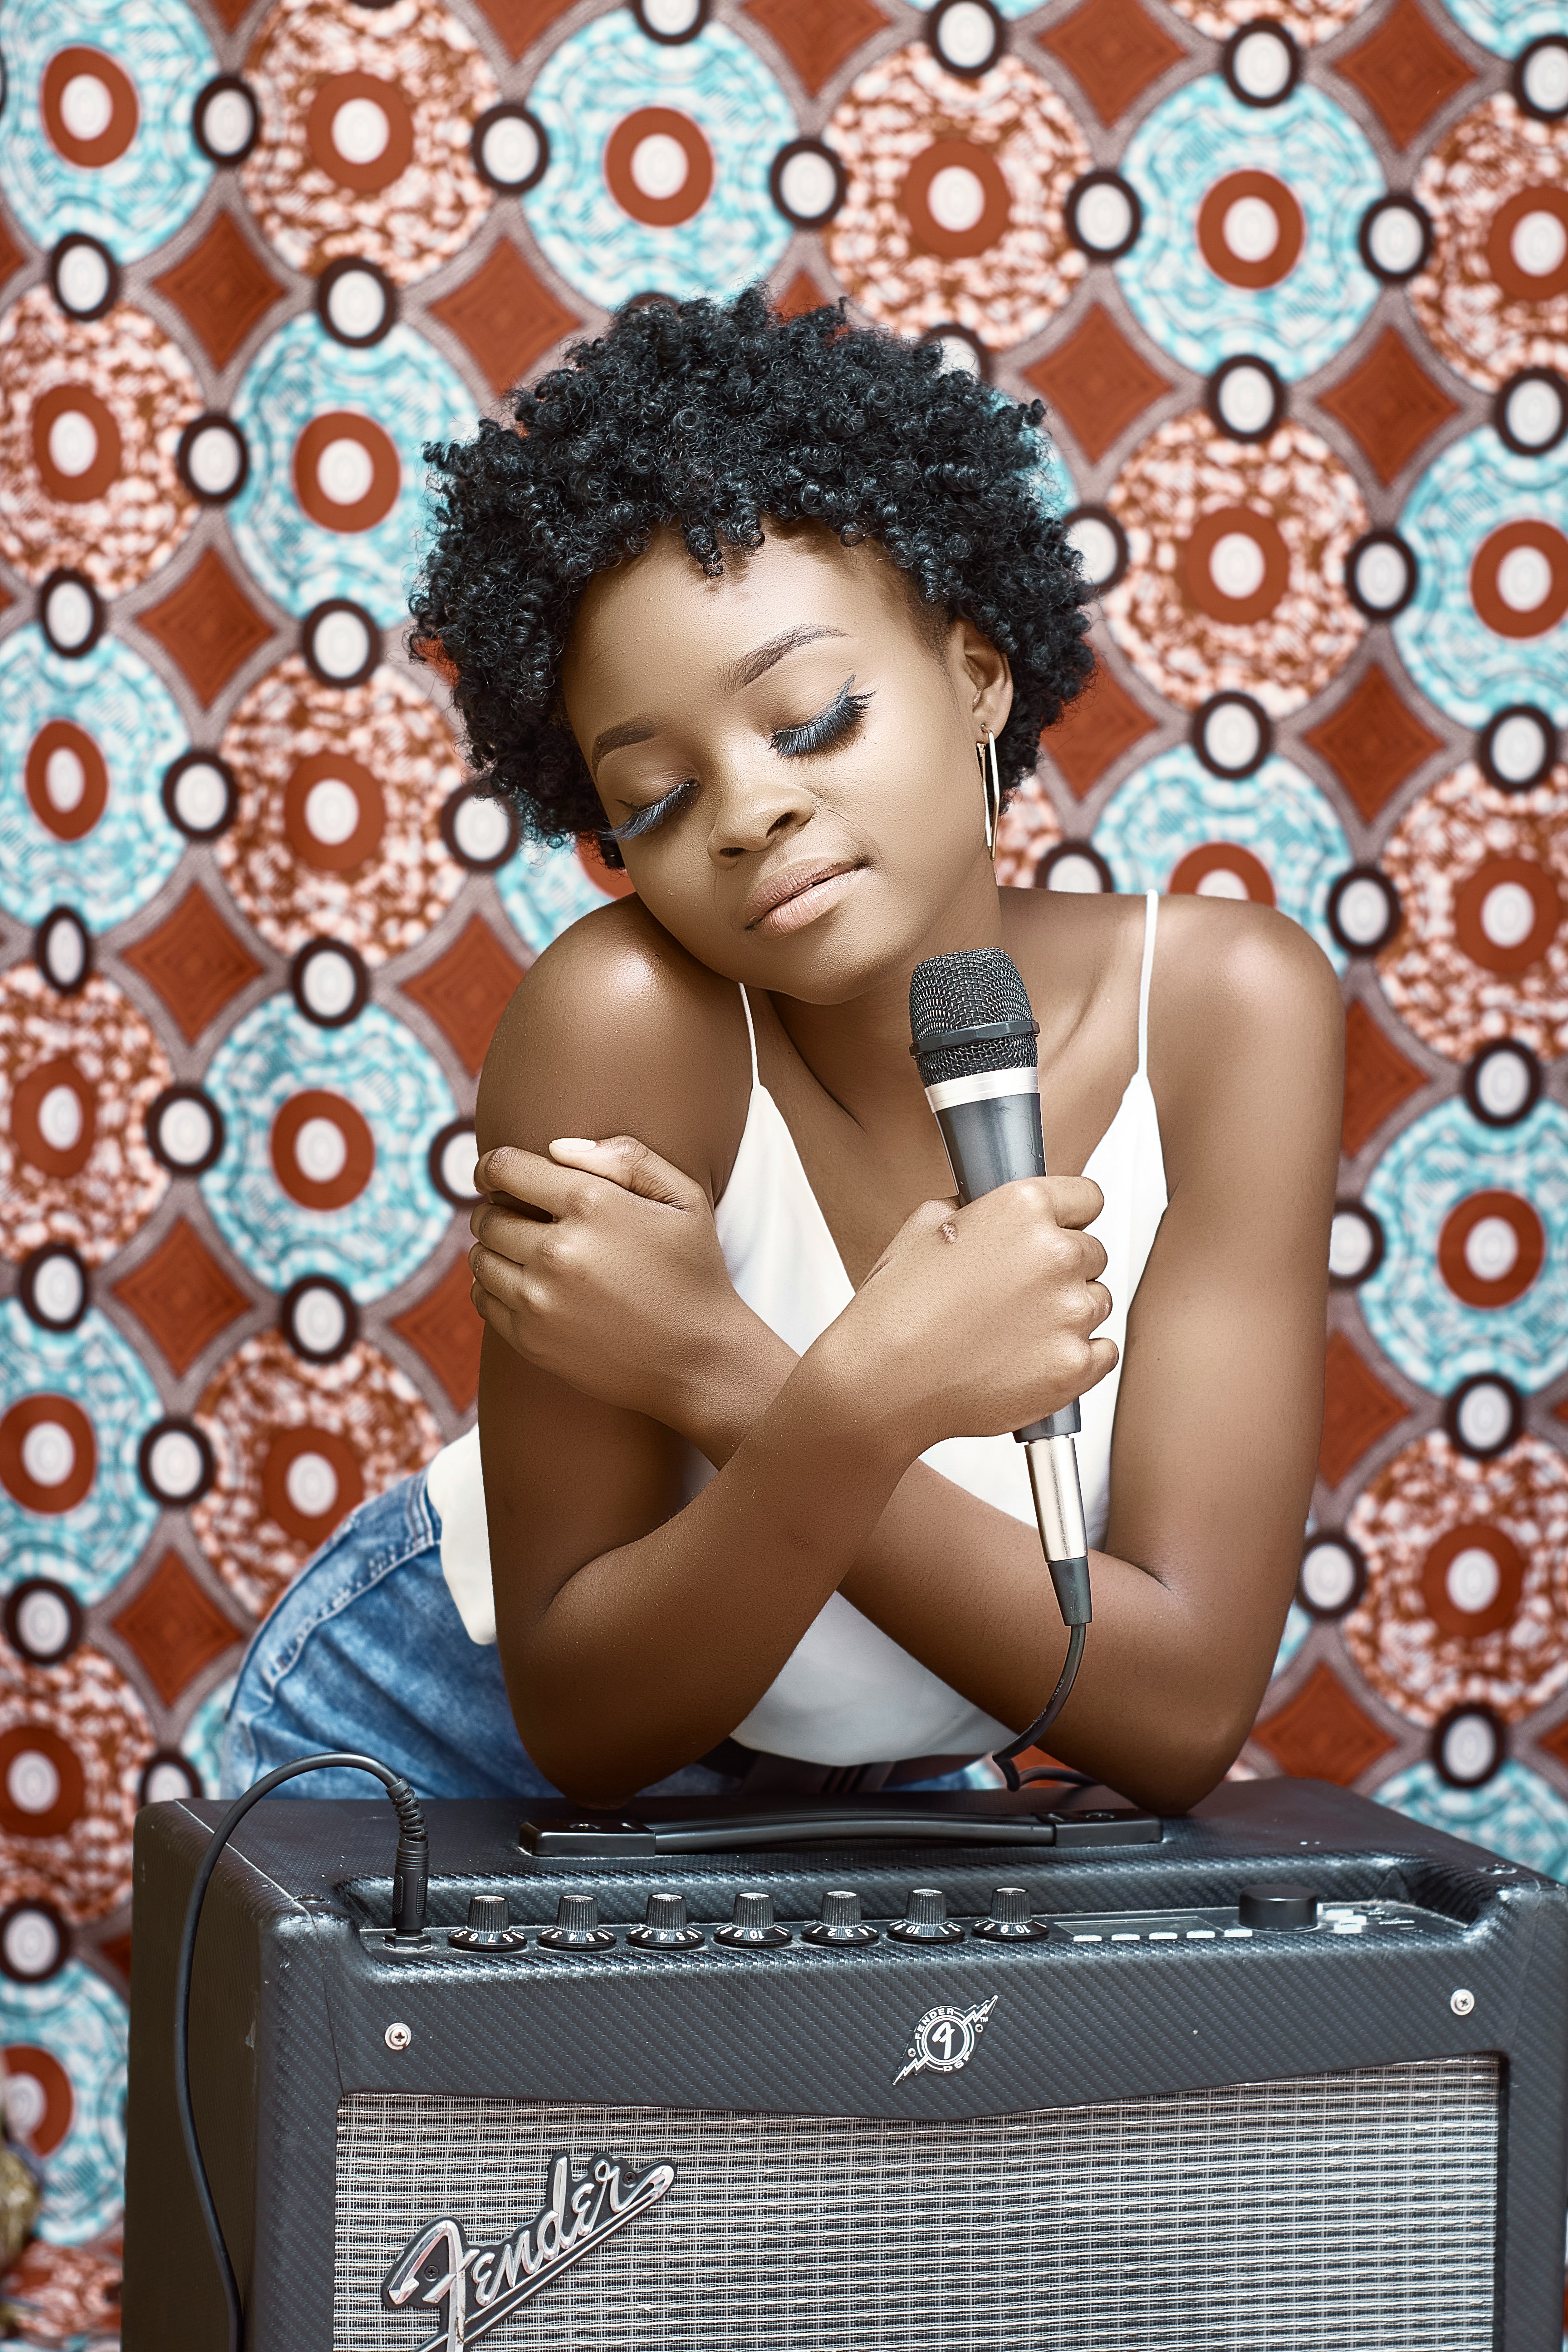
<point x="974" y="1047"/>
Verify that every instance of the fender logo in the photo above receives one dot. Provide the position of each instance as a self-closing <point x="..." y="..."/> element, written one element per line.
<point x="946" y="2039"/>
<point x="481" y="2286"/>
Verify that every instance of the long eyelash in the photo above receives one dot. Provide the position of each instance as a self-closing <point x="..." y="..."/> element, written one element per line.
<point x="644" y="819"/>
<point x="830" y="727"/>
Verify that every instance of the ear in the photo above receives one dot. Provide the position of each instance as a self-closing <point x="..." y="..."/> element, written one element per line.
<point x="983" y="677"/>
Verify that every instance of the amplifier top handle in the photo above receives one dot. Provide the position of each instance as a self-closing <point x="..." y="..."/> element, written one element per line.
<point x="613" y="1839"/>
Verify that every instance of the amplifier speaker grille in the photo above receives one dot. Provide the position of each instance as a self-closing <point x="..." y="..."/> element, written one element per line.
<point x="1330" y="2214"/>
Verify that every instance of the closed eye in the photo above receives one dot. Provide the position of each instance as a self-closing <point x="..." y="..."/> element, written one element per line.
<point x="644" y="820"/>
<point x="840" y="719"/>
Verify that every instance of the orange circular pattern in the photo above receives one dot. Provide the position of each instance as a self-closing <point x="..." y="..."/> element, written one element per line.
<point x="1224" y="858"/>
<point x="1530" y="1238"/>
<point x="1273" y="556"/>
<point x="358" y="1144"/>
<point x="66" y="400"/>
<point x="1429" y="1492"/>
<point x="1290" y="227"/>
<point x="333" y="768"/>
<point x="1507" y="957"/>
<point x="19" y="1818"/>
<point x="366" y="175"/>
<point x="47" y="1498"/>
<point x="1486" y="575"/>
<point x="1521" y="283"/>
<point x="385" y="471"/>
<point x="65" y="735"/>
<point x="89" y="1706"/>
<point x="620" y="150"/>
<point x="930" y="234"/>
<point x="29" y="1131"/>
<point x="26" y="2060"/>
<point x="1469" y="1624"/>
<point x="293" y="1445"/>
<point x="68" y="65"/>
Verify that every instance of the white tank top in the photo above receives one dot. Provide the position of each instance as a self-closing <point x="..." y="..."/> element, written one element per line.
<point x="848" y="1694"/>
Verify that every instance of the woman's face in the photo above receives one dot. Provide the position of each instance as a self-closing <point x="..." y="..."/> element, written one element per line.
<point x="793" y="747"/>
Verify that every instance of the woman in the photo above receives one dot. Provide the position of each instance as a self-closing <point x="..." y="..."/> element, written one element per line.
<point x="746" y="598"/>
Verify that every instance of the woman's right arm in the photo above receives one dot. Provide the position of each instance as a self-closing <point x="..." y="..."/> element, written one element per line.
<point x="635" y="1634"/>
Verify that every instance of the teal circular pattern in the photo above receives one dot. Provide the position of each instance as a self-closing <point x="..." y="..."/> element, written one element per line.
<point x="1201" y="136"/>
<point x="390" y="1083"/>
<point x="1516" y="1813"/>
<point x="201" y="1742"/>
<point x="543" y="889"/>
<point x="1506" y="27"/>
<point x="86" y="1546"/>
<point x="84" y="2028"/>
<point x="1440" y="1161"/>
<point x="1174" y="806"/>
<point x="608" y="71"/>
<point x="111" y="695"/>
<point x="1474" y="488"/>
<point x="139" y="198"/>
<point x="398" y="395"/>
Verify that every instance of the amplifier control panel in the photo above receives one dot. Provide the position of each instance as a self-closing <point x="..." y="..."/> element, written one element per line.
<point x="842" y="1926"/>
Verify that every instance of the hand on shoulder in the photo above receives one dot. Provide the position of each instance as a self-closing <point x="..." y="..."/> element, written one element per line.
<point x="617" y="1030"/>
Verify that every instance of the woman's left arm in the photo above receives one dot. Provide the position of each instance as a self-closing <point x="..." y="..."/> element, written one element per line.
<point x="1219" y="1413"/>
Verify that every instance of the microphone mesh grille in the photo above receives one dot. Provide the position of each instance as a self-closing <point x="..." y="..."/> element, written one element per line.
<point x="960" y="992"/>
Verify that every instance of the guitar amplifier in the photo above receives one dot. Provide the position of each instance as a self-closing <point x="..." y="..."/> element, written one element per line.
<point x="1288" y="2074"/>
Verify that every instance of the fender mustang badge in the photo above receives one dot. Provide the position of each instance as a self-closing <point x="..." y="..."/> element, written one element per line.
<point x="481" y="2286"/>
<point x="946" y="2039"/>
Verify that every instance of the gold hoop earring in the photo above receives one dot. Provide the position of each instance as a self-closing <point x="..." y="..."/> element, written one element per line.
<point x="991" y="789"/>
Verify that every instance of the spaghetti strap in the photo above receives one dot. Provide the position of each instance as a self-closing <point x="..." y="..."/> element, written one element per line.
<point x="1151" y="916"/>
<point x="751" y="1033"/>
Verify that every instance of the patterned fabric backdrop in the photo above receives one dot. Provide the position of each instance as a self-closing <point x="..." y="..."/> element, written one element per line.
<point x="1295" y="290"/>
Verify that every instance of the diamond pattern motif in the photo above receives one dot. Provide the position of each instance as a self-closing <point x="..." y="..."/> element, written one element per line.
<point x="817" y="37"/>
<point x="208" y="625"/>
<point x="1115" y="50"/>
<point x="1405" y="70"/>
<point x="466" y="991"/>
<point x="444" y="1328"/>
<point x="1097" y="382"/>
<point x="1390" y="403"/>
<point x="506" y="316"/>
<point x="1322" y="1734"/>
<point x="182" y="1295"/>
<point x="174" y="1627"/>
<point x="194" y="961"/>
<point x="221" y="289"/>
<point x="1373" y="741"/>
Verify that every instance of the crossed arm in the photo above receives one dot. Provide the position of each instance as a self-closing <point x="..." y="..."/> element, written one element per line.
<point x="637" y="1632"/>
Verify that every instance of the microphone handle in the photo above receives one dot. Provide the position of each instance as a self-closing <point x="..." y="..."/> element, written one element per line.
<point x="991" y="1126"/>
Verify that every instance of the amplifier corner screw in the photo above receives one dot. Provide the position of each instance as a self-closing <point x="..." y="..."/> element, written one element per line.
<point x="398" y="2037"/>
<point x="1461" y="2002"/>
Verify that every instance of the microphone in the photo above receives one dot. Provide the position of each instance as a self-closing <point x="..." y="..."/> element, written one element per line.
<point x="973" y="1043"/>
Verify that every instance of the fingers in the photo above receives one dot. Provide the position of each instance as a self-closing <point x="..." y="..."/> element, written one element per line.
<point x="526" y="1177"/>
<point x="1075" y="1200"/>
<point x="624" y="1160"/>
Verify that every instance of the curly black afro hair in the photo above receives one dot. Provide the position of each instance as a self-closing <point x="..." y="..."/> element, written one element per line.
<point x="718" y="419"/>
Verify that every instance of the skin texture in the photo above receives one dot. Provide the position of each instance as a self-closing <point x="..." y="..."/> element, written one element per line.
<point x="636" y="1634"/>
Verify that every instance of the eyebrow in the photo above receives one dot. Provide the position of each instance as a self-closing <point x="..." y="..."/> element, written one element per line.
<point x="740" y="674"/>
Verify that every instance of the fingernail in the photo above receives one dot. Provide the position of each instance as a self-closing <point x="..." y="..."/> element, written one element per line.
<point x="564" y="1143"/>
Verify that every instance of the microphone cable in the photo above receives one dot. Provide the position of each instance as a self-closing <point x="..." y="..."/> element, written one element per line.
<point x="410" y="1879"/>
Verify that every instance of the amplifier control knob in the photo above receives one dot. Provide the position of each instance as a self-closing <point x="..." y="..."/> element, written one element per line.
<point x="576" y="1927"/>
<point x="754" y="1927"/>
<point x="926" y="1920"/>
<point x="666" y="1928"/>
<point x="840" y="1924"/>
<point x="489" y="1927"/>
<point x="1009" y="1922"/>
<point x="1278" y="1904"/>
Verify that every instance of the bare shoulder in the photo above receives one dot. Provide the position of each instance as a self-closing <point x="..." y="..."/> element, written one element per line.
<point x="617" y="1030"/>
<point x="1246" y="1025"/>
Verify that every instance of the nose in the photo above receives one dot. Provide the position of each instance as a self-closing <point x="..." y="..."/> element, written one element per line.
<point x="755" y="807"/>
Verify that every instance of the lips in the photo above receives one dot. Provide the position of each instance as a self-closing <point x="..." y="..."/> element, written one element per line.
<point x="780" y="889"/>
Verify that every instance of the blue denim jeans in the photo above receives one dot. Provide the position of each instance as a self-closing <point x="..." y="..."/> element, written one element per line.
<point x="366" y="1650"/>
